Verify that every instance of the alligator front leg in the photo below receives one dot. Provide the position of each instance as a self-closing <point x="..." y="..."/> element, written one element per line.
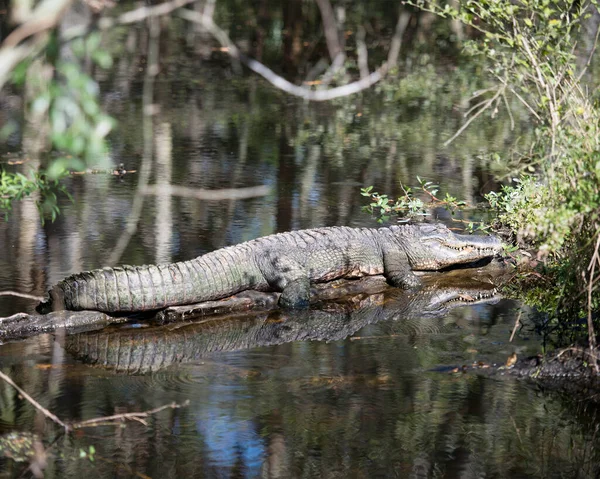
<point x="396" y="270"/>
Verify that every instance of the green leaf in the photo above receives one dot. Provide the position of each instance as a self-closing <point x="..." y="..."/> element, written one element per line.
<point x="102" y="58"/>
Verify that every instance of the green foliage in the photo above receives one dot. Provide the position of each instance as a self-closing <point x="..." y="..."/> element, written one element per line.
<point x="529" y="46"/>
<point x="15" y="186"/>
<point x="78" y="127"/>
<point x="408" y="206"/>
<point x="66" y="109"/>
<point x="89" y="454"/>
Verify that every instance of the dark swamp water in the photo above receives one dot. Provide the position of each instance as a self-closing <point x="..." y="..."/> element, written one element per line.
<point x="359" y="390"/>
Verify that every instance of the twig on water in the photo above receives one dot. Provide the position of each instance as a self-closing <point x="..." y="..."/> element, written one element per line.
<point x="34" y="403"/>
<point x="132" y="416"/>
<point x="356" y="338"/>
<point x="517" y="321"/>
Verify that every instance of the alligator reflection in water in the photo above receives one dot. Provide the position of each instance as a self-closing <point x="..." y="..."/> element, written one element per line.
<point x="146" y="350"/>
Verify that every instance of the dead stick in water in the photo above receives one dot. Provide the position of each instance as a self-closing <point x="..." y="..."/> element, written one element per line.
<point x="33" y="402"/>
<point x="516" y="326"/>
<point x="134" y="416"/>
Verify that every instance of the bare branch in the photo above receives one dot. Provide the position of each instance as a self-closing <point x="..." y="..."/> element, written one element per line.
<point x="397" y="39"/>
<point x="33" y="402"/>
<point x="517" y="322"/>
<point x="45" y="17"/>
<point x="132" y="416"/>
<point x="208" y="195"/>
<point x="485" y="106"/>
<point x="133" y="16"/>
<point x="512" y="120"/>
<point x="15" y="49"/>
<point x="591" y="55"/>
<point x="332" y="35"/>
<point x="321" y="95"/>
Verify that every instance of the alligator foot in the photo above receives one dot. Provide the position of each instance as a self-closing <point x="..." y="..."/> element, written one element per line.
<point x="296" y="295"/>
<point x="404" y="280"/>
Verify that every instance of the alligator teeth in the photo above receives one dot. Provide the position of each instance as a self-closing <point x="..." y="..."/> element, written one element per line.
<point x="472" y="299"/>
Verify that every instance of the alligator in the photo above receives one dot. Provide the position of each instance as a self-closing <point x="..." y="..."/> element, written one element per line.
<point x="286" y="262"/>
<point x="417" y="311"/>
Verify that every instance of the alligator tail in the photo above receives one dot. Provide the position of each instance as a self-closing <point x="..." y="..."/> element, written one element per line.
<point x="144" y="288"/>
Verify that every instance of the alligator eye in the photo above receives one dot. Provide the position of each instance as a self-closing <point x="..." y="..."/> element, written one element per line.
<point x="425" y="228"/>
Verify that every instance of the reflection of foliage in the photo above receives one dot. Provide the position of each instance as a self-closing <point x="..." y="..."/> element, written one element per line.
<point x="69" y="105"/>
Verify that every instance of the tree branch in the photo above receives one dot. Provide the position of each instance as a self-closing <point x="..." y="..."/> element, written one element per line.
<point x="45" y="17"/>
<point x="321" y="95"/>
<point x="21" y="295"/>
<point x="401" y="25"/>
<point x="127" y="18"/>
<point x="27" y="39"/>
<point x="332" y="35"/>
<point x="361" y="52"/>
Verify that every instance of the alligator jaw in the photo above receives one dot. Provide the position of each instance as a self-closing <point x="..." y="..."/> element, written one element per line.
<point x="442" y="249"/>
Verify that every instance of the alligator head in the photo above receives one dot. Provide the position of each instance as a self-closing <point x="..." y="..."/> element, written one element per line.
<point x="434" y="247"/>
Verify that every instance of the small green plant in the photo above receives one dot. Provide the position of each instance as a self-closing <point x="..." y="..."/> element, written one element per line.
<point x="89" y="454"/>
<point x="408" y="206"/>
<point x="15" y="186"/>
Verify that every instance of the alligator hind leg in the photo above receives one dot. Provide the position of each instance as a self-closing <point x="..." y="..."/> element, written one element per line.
<point x="296" y="294"/>
<point x="287" y="275"/>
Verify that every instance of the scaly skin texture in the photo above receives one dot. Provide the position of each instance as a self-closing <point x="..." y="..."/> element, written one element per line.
<point x="146" y="350"/>
<point x="286" y="262"/>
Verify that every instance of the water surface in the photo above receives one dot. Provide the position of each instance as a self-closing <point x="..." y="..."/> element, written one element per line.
<point x="376" y="400"/>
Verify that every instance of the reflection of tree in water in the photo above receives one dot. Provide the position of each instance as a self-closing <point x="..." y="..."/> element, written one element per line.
<point x="433" y="426"/>
<point x="368" y="407"/>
